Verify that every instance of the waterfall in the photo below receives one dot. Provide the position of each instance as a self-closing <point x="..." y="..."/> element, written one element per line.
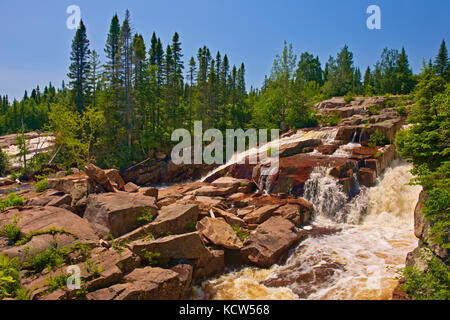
<point x="358" y="262"/>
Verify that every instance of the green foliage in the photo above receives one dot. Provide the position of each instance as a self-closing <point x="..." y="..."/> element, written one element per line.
<point x="146" y="216"/>
<point x="53" y="231"/>
<point x="432" y="284"/>
<point x="401" y="111"/>
<point x="10" y="286"/>
<point x="13" y="200"/>
<point x="93" y="269"/>
<point x="41" y="185"/>
<point x="240" y="233"/>
<point x="374" y="110"/>
<point x="4" y="163"/>
<point x="349" y="97"/>
<point x="378" y="139"/>
<point x="52" y="257"/>
<point x="377" y="155"/>
<point x="330" y="119"/>
<point x="11" y="230"/>
<point x="154" y="259"/>
<point x="54" y="283"/>
<point x="190" y="227"/>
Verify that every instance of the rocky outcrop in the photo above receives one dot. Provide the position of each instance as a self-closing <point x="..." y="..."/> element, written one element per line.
<point x="267" y="244"/>
<point x="219" y="232"/>
<point x="117" y="213"/>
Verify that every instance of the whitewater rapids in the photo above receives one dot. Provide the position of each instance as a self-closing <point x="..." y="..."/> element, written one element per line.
<point x="358" y="262"/>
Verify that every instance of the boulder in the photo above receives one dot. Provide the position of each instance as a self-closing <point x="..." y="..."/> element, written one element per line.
<point x="77" y="186"/>
<point x="211" y="191"/>
<point x="261" y="214"/>
<point x="151" y="192"/>
<point x="173" y="219"/>
<point x="367" y="177"/>
<point x="115" y="178"/>
<point x="219" y="233"/>
<point x="5" y="182"/>
<point x="298" y="215"/>
<point x="290" y="149"/>
<point x="230" y="218"/>
<point x="144" y="284"/>
<point x="99" y="177"/>
<point x="270" y="242"/>
<point x="131" y="187"/>
<point x="43" y="219"/>
<point x="117" y="213"/>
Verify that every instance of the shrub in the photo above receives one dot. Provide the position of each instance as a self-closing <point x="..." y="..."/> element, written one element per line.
<point x="52" y="257"/>
<point x="3" y="163"/>
<point x="10" y="286"/>
<point x="378" y="139"/>
<point x="401" y="111"/>
<point x="331" y="119"/>
<point x="12" y="200"/>
<point x="431" y="284"/>
<point x="374" y="110"/>
<point x="56" y="282"/>
<point x="240" y="233"/>
<point x="154" y="259"/>
<point x="377" y="155"/>
<point x="41" y="185"/>
<point x="93" y="269"/>
<point x="145" y="217"/>
<point x="11" y="231"/>
<point x="349" y="97"/>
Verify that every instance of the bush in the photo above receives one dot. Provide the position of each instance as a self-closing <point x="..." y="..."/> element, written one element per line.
<point x="11" y="231"/>
<point x="432" y="284"/>
<point x="10" y="286"/>
<point x="52" y="257"/>
<point x="378" y="139"/>
<point x="41" y="185"/>
<point x="331" y="119"/>
<point x="374" y="110"/>
<point x="349" y="97"/>
<point x="154" y="259"/>
<point x="401" y="111"/>
<point x="13" y="200"/>
<point x="145" y="217"/>
<point x="3" y="163"/>
<point x="240" y="233"/>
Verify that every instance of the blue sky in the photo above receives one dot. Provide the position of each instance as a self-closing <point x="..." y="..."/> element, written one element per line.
<point x="36" y="42"/>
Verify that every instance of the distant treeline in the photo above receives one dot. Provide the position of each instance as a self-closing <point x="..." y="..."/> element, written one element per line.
<point x="121" y="111"/>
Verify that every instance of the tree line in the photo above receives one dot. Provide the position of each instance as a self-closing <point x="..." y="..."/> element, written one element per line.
<point x="123" y="110"/>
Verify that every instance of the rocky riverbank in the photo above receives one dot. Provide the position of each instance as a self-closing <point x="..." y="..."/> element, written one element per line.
<point x="147" y="243"/>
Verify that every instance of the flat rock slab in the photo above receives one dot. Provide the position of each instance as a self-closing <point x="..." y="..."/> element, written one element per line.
<point x="173" y="219"/>
<point x="270" y="241"/>
<point x="117" y="213"/>
<point x="261" y="214"/>
<point x="44" y="218"/>
<point x="219" y="233"/>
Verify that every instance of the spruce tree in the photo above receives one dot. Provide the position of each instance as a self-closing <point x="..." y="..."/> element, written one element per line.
<point x="79" y="68"/>
<point x="112" y="51"/>
<point x="441" y="63"/>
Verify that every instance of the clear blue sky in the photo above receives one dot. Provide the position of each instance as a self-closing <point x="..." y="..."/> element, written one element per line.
<point x="36" y="42"/>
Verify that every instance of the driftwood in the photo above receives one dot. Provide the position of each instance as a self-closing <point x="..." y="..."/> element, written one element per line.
<point x="56" y="153"/>
<point x="136" y="165"/>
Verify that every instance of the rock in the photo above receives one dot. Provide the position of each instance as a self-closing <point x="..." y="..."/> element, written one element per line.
<point x="115" y="178"/>
<point x="261" y="214"/>
<point x="418" y="258"/>
<point x="144" y="284"/>
<point x="335" y="102"/>
<point x="99" y="177"/>
<point x="219" y="233"/>
<point x="131" y="187"/>
<point x="419" y="219"/>
<point x="270" y="241"/>
<point x="230" y="218"/>
<point x="117" y="213"/>
<point x="298" y="146"/>
<point x="211" y="191"/>
<point x="5" y="182"/>
<point x="45" y="198"/>
<point x="298" y="215"/>
<point x="42" y="219"/>
<point x="366" y="177"/>
<point x="210" y="266"/>
<point x="185" y="276"/>
<point x="151" y="192"/>
<point x="77" y="186"/>
<point x="173" y="219"/>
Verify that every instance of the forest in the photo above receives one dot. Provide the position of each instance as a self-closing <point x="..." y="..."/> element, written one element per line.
<point x="121" y="111"/>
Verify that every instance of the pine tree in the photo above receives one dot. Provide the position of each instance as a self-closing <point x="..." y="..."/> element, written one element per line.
<point x="404" y="83"/>
<point x="138" y="59"/>
<point x="442" y="63"/>
<point x="93" y="76"/>
<point x="368" y="82"/>
<point x="79" y="68"/>
<point x="192" y="74"/>
<point x="112" y="52"/>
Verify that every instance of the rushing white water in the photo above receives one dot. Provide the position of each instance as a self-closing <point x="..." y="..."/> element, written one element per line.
<point x="327" y="135"/>
<point x="358" y="262"/>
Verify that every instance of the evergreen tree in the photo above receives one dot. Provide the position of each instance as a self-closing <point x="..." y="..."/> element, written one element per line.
<point x="442" y="63"/>
<point x="79" y="68"/>
<point x="93" y="76"/>
<point x="404" y="83"/>
<point x="112" y="51"/>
